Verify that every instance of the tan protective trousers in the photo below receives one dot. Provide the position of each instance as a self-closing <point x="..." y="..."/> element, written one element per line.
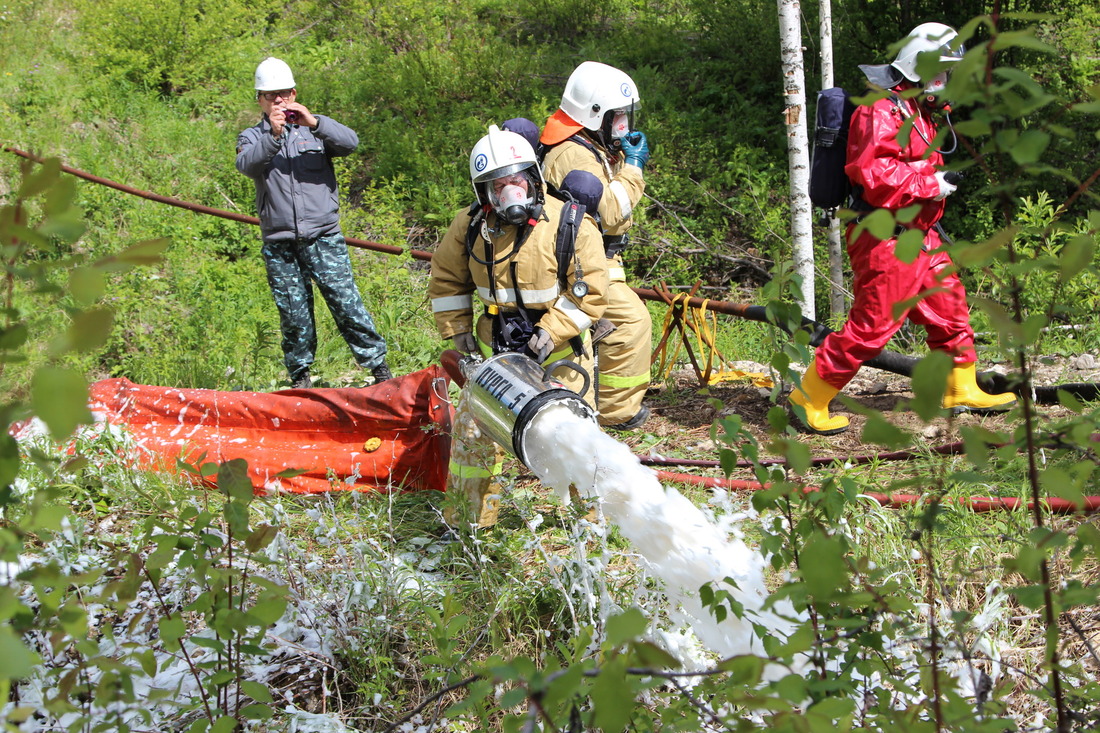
<point x="625" y="353"/>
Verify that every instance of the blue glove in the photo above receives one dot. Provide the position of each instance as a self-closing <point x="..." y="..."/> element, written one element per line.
<point x="636" y="149"/>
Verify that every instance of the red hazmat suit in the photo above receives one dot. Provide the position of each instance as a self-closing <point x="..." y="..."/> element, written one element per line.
<point x="893" y="176"/>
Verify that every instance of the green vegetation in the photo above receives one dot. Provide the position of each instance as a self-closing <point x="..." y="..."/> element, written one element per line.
<point x="132" y="601"/>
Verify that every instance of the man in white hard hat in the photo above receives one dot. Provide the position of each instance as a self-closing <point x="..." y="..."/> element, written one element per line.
<point x="593" y="130"/>
<point x="288" y="155"/>
<point x="890" y="170"/>
<point x="504" y="251"/>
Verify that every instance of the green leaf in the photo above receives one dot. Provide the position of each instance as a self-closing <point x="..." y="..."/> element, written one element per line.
<point x="980" y="253"/>
<point x="624" y="627"/>
<point x="1076" y="256"/>
<point x="973" y="128"/>
<point x="929" y="383"/>
<point x="909" y="245"/>
<point x="1089" y="536"/>
<point x="1029" y="147"/>
<point x="88" y="331"/>
<point x="148" y="659"/>
<point x="792" y="688"/>
<point x="269" y="611"/>
<point x="86" y="285"/>
<point x="744" y="670"/>
<point x="172" y="630"/>
<point x="1030" y="596"/>
<point x="879" y="222"/>
<point x="881" y="431"/>
<point x="143" y="253"/>
<point x="42" y="178"/>
<point x="261" y="537"/>
<point x="224" y="724"/>
<point x="257" y="712"/>
<point x="823" y="567"/>
<point x="255" y="690"/>
<point x="512" y="697"/>
<point x="13" y="337"/>
<point x="233" y="480"/>
<point x="236" y="515"/>
<point x="650" y="655"/>
<point x="612" y="697"/>
<point x="60" y="398"/>
<point x="9" y="459"/>
<point x="1058" y="482"/>
<point x="19" y="661"/>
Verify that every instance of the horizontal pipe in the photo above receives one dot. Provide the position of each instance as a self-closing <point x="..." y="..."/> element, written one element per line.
<point x="200" y="209"/>
<point x="888" y="361"/>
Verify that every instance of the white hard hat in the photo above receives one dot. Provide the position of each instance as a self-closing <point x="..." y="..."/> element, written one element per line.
<point x="594" y="89"/>
<point x="927" y="38"/>
<point x="273" y="75"/>
<point x="502" y="153"/>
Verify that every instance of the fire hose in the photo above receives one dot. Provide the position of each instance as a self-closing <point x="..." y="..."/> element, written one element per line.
<point x="886" y="361"/>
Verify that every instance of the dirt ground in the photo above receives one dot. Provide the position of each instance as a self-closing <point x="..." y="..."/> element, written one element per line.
<point x="682" y="410"/>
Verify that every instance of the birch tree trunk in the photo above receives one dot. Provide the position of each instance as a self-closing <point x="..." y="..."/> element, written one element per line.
<point x="837" y="304"/>
<point x="798" y="153"/>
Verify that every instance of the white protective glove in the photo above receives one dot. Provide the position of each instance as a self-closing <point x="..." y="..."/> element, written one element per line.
<point x="946" y="187"/>
<point x="540" y="345"/>
<point x="466" y="343"/>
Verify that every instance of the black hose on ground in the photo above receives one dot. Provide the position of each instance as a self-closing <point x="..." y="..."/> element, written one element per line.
<point x="895" y="363"/>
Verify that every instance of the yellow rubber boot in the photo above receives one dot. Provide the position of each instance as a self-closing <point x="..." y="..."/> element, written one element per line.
<point x="814" y="397"/>
<point x="964" y="395"/>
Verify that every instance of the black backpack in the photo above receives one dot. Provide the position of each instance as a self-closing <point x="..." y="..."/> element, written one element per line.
<point x="829" y="185"/>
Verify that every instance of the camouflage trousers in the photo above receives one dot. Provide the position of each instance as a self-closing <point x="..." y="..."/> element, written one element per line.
<point x="292" y="266"/>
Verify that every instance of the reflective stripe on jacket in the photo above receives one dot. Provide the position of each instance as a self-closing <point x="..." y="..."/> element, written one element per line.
<point x="456" y="277"/>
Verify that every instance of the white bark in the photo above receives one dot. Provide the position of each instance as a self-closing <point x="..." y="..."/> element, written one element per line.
<point x="798" y="151"/>
<point x="837" y="305"/>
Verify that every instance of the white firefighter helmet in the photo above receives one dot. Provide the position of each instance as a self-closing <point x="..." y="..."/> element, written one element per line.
<point x="502" y="153"/>
<point x="594" y="89"/>
<point x="273" y="75"/>
<point x="927" y="38"/>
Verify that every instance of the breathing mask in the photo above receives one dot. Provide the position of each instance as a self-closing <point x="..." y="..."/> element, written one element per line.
<point x="511" y="197"/>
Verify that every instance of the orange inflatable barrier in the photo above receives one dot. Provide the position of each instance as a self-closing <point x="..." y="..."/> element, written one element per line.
<point x="394" y="435"/>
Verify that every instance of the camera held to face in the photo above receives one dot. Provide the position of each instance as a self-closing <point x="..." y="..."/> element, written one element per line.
<point x="291" y="116"/>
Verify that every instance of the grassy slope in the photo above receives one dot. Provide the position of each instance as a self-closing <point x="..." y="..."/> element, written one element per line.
<point x="207" y="308"/>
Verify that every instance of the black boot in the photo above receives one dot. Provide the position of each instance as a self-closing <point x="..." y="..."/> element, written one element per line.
<point x="302" y="381"/>
<point x="381" y="373"/>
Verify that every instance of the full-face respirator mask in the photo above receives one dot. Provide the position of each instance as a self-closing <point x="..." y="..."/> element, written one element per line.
<point x="512" y="197"/>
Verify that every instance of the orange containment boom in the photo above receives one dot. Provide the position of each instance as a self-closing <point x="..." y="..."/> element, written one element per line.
<point x="394" y="435"/>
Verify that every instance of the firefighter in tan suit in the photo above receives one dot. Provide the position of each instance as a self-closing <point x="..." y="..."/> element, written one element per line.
<point x="592" y="132"/>
<point x="504" y="250"/>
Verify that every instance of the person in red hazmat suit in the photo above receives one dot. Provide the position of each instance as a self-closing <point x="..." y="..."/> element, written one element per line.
<point x="503" y="252"/>
<point x="891" y="168"/>
<point x="593" y="130"/>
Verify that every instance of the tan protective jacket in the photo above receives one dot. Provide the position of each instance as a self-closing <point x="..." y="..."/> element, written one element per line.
<point x="455" y="277"/>
<point x="623" y="184"/>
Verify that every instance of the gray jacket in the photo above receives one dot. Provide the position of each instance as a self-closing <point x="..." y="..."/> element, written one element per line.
<point x="295" y="182"/>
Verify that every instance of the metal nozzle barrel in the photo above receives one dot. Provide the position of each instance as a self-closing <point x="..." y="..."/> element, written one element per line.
<point x="508" y="391"/>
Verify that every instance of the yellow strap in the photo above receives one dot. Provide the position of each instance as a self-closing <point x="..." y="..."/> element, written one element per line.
<point x="666" y="331"/>
<point x="706" y="336"/>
